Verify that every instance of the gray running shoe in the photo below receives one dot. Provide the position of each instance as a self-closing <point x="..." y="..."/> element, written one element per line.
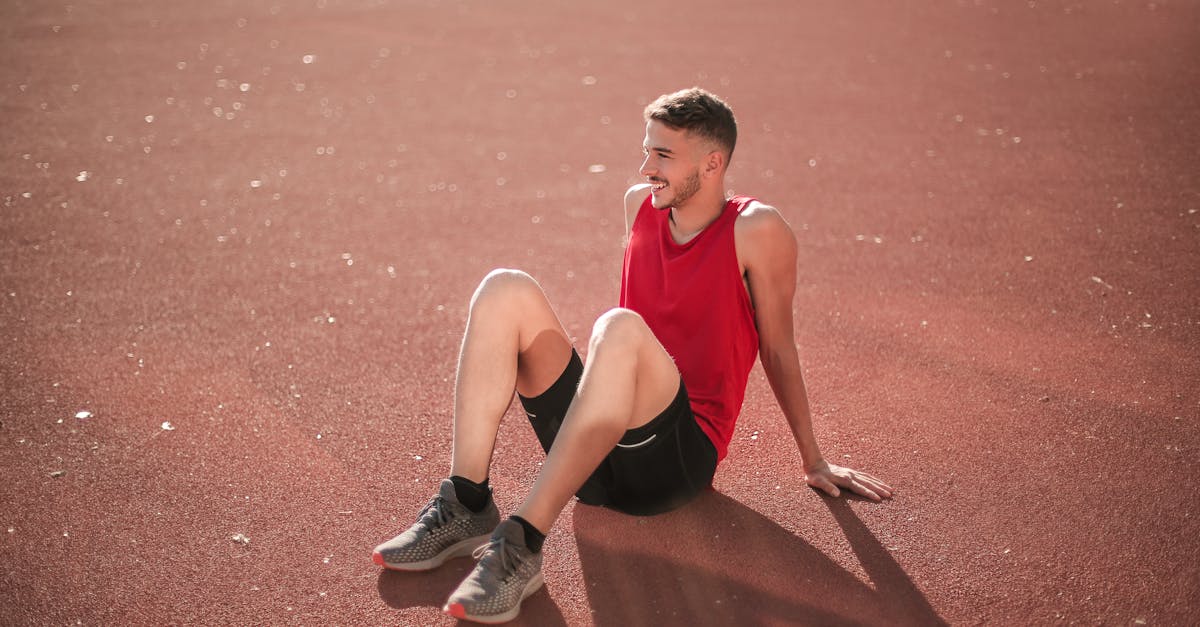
<point x="445" y="529"/>
<point x="507" y="574"/>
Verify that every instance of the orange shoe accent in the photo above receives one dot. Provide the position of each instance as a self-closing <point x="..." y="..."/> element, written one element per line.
<point x="456" y="610"/>
<point x="377" y="557"/>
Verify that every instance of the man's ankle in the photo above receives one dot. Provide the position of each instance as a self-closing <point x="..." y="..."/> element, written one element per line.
<point x="533" y="536"/>
<point x="473" y="496"/>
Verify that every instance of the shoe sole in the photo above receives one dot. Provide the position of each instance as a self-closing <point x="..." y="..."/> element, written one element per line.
<point x="458" y="549"/>
<point x="456" y="610"/>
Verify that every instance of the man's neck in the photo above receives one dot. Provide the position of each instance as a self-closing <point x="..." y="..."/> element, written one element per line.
<point x="701" y="210"/>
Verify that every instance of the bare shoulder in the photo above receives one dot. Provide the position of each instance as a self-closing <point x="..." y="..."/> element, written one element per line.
<point x="761" y="226"/>
<point x="634" y="197"/>
<point x="636" y="194"/>
<point x="767" y="251"/>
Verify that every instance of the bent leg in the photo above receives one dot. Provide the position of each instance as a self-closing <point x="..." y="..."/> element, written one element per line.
<point x="628" y="380"/>
<point x="513" y="340"/>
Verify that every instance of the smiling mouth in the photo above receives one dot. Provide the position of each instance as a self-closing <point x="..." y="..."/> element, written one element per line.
<point x="656" y="185"/>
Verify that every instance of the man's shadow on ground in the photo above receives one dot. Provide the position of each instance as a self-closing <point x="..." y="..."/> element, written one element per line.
<point x="712" y="562"/>
<point x="718" y="562"/>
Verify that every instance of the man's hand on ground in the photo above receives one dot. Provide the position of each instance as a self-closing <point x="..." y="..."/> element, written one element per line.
<point x="830" y="479"/>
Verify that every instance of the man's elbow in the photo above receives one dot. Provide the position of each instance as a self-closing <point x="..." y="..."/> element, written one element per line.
<point x="778" y="358"/>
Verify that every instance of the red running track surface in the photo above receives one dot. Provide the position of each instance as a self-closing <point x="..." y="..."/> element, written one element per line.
<point x="242" y="235"/>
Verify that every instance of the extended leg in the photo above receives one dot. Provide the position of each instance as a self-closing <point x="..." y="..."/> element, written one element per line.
<point x="513" y="340"/>
<point x="628" y="380"/>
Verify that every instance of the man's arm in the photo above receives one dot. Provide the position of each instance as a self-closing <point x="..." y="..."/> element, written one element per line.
<point x="634" y="197"/>
<point x="767" y="251"/>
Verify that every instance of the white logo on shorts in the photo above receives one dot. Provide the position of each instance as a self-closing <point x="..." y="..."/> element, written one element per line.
<point x="642" y="443"/>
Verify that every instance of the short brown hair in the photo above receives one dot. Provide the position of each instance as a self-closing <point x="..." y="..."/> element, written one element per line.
<point x="696" y="111"/>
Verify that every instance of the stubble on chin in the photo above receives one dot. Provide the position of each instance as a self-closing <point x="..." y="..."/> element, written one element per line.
<point x="690" y="186"/>
<point x="658" y="202"/>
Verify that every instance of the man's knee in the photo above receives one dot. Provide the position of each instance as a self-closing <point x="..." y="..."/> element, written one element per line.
<point x="503" y="283"/>
<point x="619" y="326"/>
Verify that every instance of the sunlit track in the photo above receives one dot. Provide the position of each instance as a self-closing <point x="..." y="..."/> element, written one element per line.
<point x="237" y="243"/>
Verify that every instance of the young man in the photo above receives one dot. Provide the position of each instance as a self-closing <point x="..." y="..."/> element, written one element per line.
<point x="707" y="285"/>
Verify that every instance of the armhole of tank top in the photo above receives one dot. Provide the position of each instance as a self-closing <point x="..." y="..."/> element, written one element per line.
<point x="741" y="203"/>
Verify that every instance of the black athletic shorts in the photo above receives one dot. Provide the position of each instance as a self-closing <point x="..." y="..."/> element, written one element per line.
<point x="654" y="468"/>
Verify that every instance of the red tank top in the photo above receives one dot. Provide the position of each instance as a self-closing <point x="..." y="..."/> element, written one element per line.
<point x="693" y="298"/>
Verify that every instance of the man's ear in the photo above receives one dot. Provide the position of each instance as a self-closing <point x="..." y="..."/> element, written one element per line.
<point x="714" y="162"/>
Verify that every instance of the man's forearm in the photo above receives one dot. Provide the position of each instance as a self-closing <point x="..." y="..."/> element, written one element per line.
<point x="787" y="382"/>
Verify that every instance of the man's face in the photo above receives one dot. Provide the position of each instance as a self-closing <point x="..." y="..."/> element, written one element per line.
<point x="672" y="165"/>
